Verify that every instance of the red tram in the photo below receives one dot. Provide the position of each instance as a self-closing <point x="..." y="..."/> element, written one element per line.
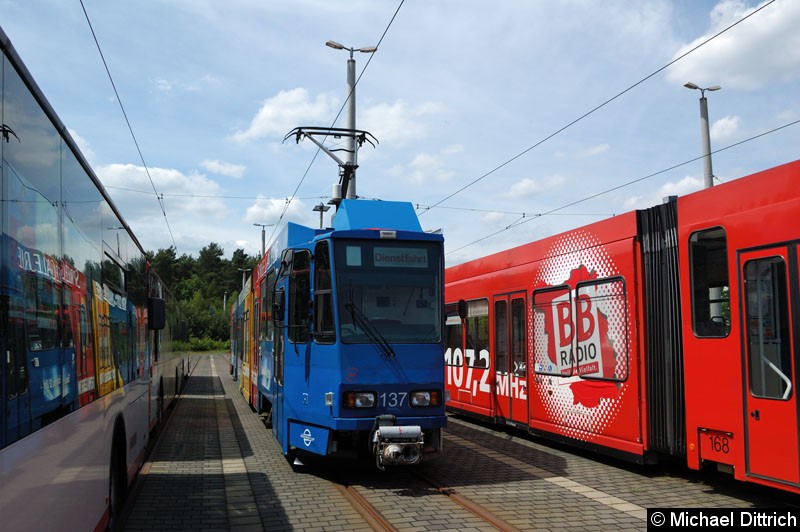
<point x="670" y="331"/>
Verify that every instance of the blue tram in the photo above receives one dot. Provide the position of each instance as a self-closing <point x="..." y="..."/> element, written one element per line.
<point x="348" y="345"/>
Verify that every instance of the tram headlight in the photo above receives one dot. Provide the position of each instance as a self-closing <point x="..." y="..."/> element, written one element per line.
<point x="425" y="398"/>
<point x="359" y="399"/>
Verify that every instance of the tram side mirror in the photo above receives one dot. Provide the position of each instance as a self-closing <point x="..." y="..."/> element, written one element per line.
<point x="156" y="314"/>
<point x="462" y="309"/>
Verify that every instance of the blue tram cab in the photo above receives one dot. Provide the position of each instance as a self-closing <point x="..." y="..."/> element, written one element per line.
<point x="352" y="359"/>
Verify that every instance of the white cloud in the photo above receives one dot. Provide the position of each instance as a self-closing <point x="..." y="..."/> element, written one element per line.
<point x="428" y="168"/>
<point x="269" y="210"/>
<point x="762" y="50"/>
<point x="195" y="214"/>
<point x="594" y="150"/>
<point x="167" y="85"/>
<point x="527" y="187"/>
<point x="83" y="145"/>
<point x="789" y="115"/>
<point x="286" y="110"/>
<point x="192" y="195"/>
<point x="163" y="85"/>
<point x="398" y="123"/>
<point x="687" y="185"/>
<point x="494" y="217"/>
<point x="453" y="149"/>
<point x="726" y="128"/>
<point x="226" y="169"/>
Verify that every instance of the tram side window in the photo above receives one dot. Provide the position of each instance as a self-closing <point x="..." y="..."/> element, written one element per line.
<point x="552" y="331"/>
<point x="477" y="329"/>
<point x="518" y="337"/>
<point x="266" y="308"/>
<point x="601" y="330"/>
<point x="768" y="337"/>
<point x="501" y="335"/>
<point x="113" y="274"/>
<point x="269" y="296"/>
<point x="708" y="263"/>
<point x="324" y="331"/>
<point x="257" y="319"/>
<point x="67" y="339"/>
<point x="299" y="290"/>
<point x="263" y="321"/>
<point x="453" y="336"/>
<point x="41" y="302"/>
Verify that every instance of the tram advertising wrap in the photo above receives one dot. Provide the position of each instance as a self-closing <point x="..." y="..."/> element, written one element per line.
<point x="606" y="337"/>
<point x="87" y="366"/>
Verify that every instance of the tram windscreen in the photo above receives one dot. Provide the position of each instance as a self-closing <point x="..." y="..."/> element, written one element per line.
<point x="393" y="289"/>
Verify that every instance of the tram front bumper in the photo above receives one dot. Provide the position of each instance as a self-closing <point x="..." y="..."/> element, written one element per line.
<point x="396" y="444"/>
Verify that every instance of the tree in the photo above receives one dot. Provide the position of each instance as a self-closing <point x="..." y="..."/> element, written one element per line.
<point x="199" y="285"/>
<point x="239" y="261"/>
<point x="210" y="268"/>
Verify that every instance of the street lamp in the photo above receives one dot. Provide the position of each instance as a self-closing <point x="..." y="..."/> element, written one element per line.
<point x="708" y="174"/>
<point x="117" y="229"/>
<point x="244" y="275"/>
<point x="715" y="292"/>
<point x="263" y="226"/>
<point x="351" y="105"/>
<point x="321" y="208"/>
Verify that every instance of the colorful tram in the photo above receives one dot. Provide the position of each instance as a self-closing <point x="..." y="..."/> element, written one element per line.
<point x="338" y="336"/>
<point x="87" y="366"/>
<point x="672" y="331"/>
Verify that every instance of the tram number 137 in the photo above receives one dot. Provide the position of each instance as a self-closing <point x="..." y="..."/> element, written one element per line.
<point x="392" y="399"/>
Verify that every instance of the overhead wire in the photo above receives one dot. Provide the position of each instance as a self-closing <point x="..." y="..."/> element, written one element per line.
<point x="211" y="196"/>
<point x="521" y="221"/>
<point x="127" y="121"/>
<point x="598" y="107"/>
<point x="523" y="214"/>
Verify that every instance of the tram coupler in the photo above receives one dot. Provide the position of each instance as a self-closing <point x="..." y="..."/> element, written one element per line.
<point x="395" y="444"/>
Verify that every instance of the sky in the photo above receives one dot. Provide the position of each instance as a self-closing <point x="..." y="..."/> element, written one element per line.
<point x="502" y="122"/>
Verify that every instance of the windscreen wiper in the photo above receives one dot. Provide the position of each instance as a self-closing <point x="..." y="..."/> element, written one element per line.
<point x="373" y="333"/>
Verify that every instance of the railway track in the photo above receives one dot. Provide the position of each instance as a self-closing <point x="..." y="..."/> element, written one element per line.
<point x="432" y="501"/>
<point x="484" y="480"/>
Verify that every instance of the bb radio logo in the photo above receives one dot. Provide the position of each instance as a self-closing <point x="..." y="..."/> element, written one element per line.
<point x="579" y="328"/>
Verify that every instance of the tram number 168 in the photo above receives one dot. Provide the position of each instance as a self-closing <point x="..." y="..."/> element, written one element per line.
<point x="716" y="445"/>
<point x="719" y="444"/>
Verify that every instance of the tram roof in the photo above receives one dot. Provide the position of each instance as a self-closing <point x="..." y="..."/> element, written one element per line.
<point x="366" y="214"/>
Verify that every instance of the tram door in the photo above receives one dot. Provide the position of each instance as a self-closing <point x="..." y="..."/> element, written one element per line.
<point x="16" y="398"/>
<point x="770" y="292"/>
<point x="510" y="344"/>
<point x="278" y="407"/>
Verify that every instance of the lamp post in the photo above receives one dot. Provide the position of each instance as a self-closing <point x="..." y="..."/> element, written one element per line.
<point x="714" y="292"/>
<point x="708" y="173"/>
<point x="263" y="242"/>
<point x="351" y="105"/>
<point x="321" y="208"/>
<point x="244" y="275"/>
<point x="117" y="229"/>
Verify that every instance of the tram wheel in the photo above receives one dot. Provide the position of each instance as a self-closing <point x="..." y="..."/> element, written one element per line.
<point x="116" y="488"/>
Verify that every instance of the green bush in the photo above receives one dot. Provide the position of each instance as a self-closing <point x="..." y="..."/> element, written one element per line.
<point x="180" y="346"/>
<point x="201" y="344"/>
